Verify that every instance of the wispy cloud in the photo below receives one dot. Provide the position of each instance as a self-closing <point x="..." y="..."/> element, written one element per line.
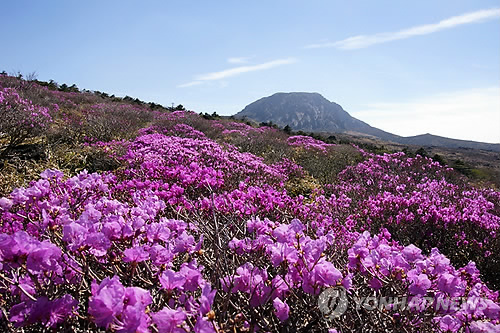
<point x="244" y="69"/>
<point x="189" y="84"/>
<point x="237" y="71"/>
<point x="362" y="41"/>
<point x="472" y="114"/>
<point x="238" y="60"/>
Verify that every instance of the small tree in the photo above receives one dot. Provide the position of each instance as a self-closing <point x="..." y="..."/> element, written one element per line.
<point x="32" y="76"/>
<point x="422" y="152"/>
<point x="20" y="119"/>
<point x="73" y="88"/>
<point x="438" y="158"/>
<point x="52" y="85"/>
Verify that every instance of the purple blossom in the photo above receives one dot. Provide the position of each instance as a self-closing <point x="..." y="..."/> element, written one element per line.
<point x="204" y="326"/>
<point x="160" y="255"/>
<point x="451" y="284"/>
<point x="6" y="203"/>
<point x="136" y="254"/>
<point x="44" y="258"/>
<point x="169" y="321"/>
<point x="74" y="234"/>
<point x="49" y="313"/>
<point x="324" y="273"/>
<point x="206" y="299"/>
<point x="107" y="301"/>
<point x="449" y="323"/>
<point x="420" y="284"/>
<point x="134" y="318"/>
<point x="98" y="243"/>
<point x="283" y="252"/>
<point x="171" y="280"/>
<point x="375" y="283"/>
<point x="280" y="286"/>
<point x="192" y="276"/>
<point x="484" y="327"/>
<point x="281" y="309"/>
<point x="51" y="173"/>
<point x="61" y="309"/>
<point x="308" y="143"/>
<point x="412" y="253"/>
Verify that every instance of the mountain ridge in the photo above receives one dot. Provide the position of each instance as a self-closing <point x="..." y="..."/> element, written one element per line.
<point x="311" y="112"/>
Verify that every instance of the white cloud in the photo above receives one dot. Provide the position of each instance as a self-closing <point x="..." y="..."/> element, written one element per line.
<point x="472" y="114"/>
<point x="237" y="71"/>
<point x="189" y="84"/>
<point x="362" y="41"/>
<point x="238" y="60"/>
<point x="244" y="69"/>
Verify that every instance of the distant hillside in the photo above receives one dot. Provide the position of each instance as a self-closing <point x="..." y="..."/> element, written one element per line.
<point x="312" y="112"/>
<point x="439" y="141"/>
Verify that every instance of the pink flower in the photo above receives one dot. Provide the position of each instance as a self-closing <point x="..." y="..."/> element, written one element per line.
<point x="420" y="285"/>
<point x="136" y="254"/>
<point x="5" y="203"/>
<point x="169" y="321"/>
<point x="449" y="323"/>
<point x="171" y="280"/>
<point x="204" y="326"/>
<point x="106" y="301"/>
<point x="281" y="309"/>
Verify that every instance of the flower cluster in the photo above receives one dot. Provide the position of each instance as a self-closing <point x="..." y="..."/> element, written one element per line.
<point x="296" y="260"/>
<point x="196" y="162"/>
<point x="61" y="236"/>
<point x="21" y="119"/>
<point x="196" y="230"/>
<point x="384" y="266"/>
<point x="233" y="128"/>
<point x="414" y="199"/>
<point x="308" y="143"/>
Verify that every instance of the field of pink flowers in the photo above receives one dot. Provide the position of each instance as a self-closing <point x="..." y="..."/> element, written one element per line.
<point x="219" y="226"/>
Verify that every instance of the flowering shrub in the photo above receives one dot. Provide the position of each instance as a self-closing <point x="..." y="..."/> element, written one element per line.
<point x="144" y="269"/>
<point x="198" y="163"/>
<point x="308" y="143"/>
<point x="50" y="280"/>
<point x="217" y="226"/>
<point x="296" y="268"/>
<point x="412" y="198"/>
<point x="383" y="267"/>
<point x="180" y="123"/>
<point x="107" y="121"/>
<point x="21" y="119"/>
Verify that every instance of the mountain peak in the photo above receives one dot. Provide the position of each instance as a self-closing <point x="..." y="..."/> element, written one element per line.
<point x="311" y="112"/>
<point x="297" y="93"/>
<point x="306" y="111"/>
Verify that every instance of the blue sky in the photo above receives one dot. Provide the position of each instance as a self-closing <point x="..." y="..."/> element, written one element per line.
<point x="408" y="67"/>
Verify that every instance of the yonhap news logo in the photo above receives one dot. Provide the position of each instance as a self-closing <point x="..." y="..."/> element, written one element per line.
<point x="334" y="302"/>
